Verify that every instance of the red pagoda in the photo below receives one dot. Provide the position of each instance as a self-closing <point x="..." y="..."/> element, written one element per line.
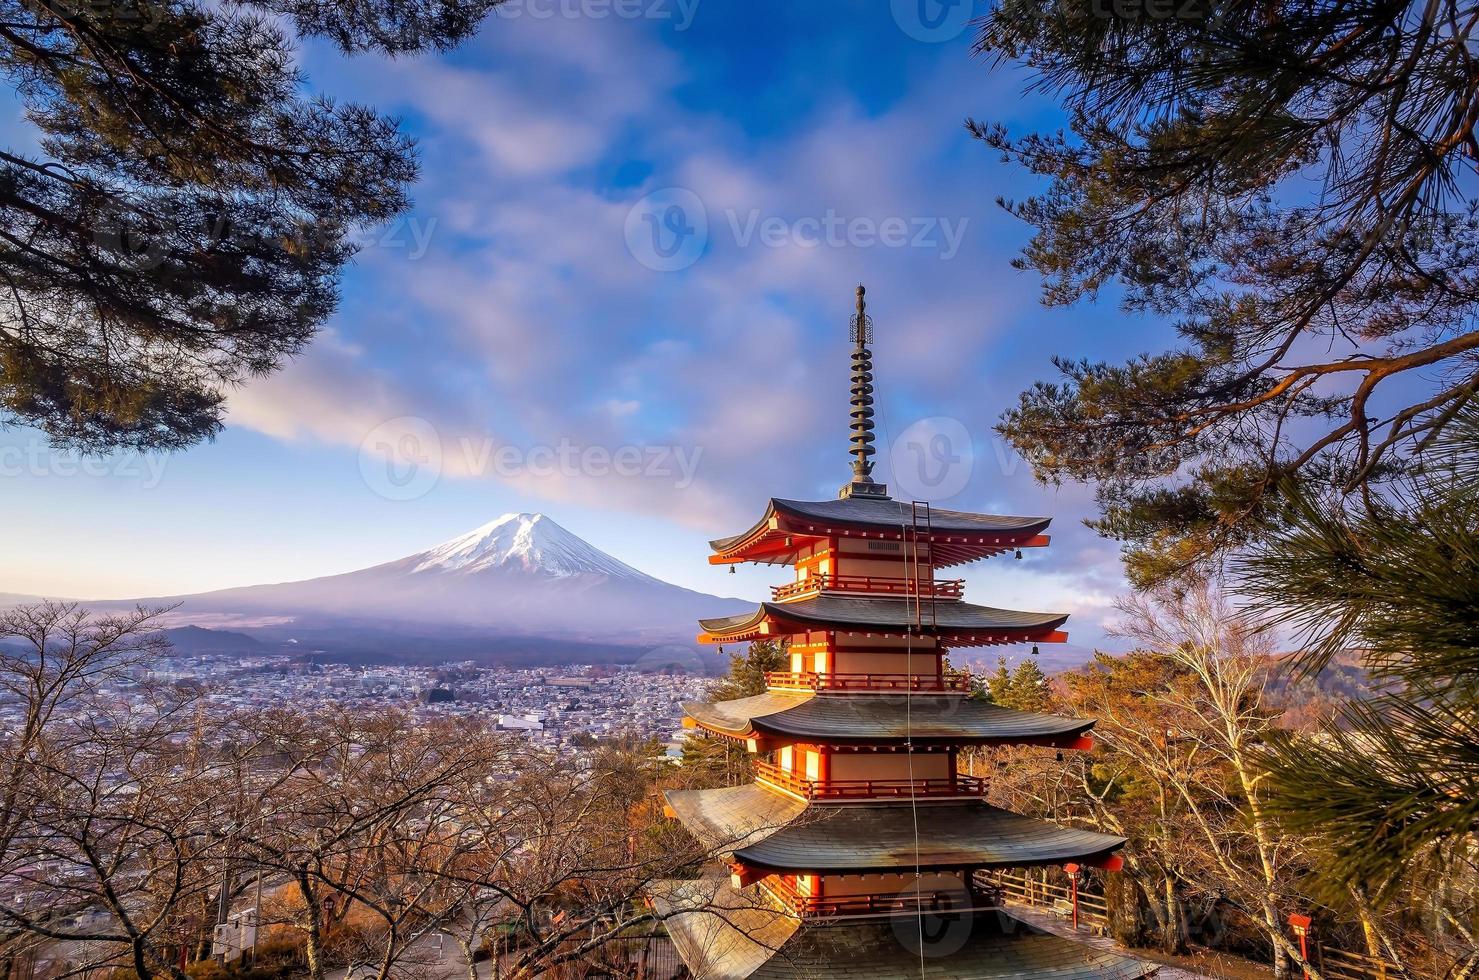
<point x="861" y="850"/>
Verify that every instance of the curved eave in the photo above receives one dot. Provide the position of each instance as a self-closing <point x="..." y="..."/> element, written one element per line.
<point x="736" y="719"/>
<point x="766" y="830"/>
<point x="869" y="839"/>
<point x="935" y="721"/>
<point x="927" y="862"/>
<point x="729" y="818"/>
<point x="775" y="719"/>
<point x="783" y="532"/>
<point x="724" y="546"/>
<point x="726" y="933"/>
<point x="957" y="624"/>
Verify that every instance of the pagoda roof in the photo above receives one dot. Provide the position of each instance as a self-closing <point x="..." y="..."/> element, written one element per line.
<point x="955" y="536"/>
<point x="956" y="623"/>
<point x="719" y="930"/>
<point x="842" y="719"/>
<point x="726" y="819"/>
<point x="770" y="831"/>
<point x="724" y="934"/>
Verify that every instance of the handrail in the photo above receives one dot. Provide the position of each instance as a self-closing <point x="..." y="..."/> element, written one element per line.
<point x="938" y="901"/>
<point x="949" y="588"/>
<point x="952" y="682"/>
<point x="868" y="789"/>
<point x="1094" y="909"/>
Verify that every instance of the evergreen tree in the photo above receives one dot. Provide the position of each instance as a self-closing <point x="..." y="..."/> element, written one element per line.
<point x="1029" y="688"/>
<point x="1022" y="689"/>
<point x="999" y="684"/>
<point x="747" y="671"/>
<point x="1324" y="338"/>
<point x="1393" y="786"/>
<point x="185" y="222"/>
<point x="720" y="762"/>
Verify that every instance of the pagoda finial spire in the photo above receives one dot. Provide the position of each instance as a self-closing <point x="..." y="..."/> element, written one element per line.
<point x="861" y="334"/>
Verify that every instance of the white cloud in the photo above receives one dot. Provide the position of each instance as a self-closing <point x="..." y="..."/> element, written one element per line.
<point x="536" y="323"/>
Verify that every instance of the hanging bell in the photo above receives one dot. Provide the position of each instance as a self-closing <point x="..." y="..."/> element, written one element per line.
<point x="1019" y="554"/>
<point x="1034" y="650"/>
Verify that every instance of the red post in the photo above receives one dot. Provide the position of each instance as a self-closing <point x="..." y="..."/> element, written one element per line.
<point x="1072" y="870"/>
<point x="1301" y="926"/>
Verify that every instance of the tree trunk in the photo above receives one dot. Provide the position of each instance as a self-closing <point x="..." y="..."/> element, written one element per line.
<point x="313" y="948"/>
<point x="1172" y="921"/>
<point x="1373" y="943"/>
<point x="141" y="962"/>
<point x="1274" y="929"/>
<point x="387" y="959"/>
<point x="1378" y="945"/>
<point x="1272" y="922"/>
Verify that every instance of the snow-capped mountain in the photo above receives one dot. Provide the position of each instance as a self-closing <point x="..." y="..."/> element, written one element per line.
<point x="528" y="542"/>
<point x="522" y="575"/>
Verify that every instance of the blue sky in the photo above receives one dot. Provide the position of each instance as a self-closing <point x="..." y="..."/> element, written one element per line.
<point x="635" y="243"/>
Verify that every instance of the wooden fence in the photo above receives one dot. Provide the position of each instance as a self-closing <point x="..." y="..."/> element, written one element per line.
<point x="1056" y="896"/>
<point x="1052" y="896"/>
<point x="1337" y="964"/>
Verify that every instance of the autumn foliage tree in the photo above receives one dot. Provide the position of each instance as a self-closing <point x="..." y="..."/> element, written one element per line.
<point x="134" y="824"/>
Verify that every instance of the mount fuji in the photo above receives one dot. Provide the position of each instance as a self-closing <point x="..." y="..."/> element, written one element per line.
<point x="521" y="584"/>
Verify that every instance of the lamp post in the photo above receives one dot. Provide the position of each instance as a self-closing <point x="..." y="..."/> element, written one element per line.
<point x="1301" y="926"/>
<point x="1072" y="870"/>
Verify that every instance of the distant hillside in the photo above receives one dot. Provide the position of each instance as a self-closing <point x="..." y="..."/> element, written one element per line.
<point x="519" y="590"/>
<point x="1305" y="702"/>
<point x="9" y="599"/>
<point x="339" y="643"/>
<point x="196" y="640"/>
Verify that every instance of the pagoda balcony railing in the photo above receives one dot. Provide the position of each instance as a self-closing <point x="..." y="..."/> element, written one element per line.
<point x="951" y="682"/>
<point x="903" y="902"/>
<point x="834" y="790"/>
<point x="948" y="588"/>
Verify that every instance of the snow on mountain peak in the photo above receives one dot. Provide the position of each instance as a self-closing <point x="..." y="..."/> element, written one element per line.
<point x="528" y="542"/>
